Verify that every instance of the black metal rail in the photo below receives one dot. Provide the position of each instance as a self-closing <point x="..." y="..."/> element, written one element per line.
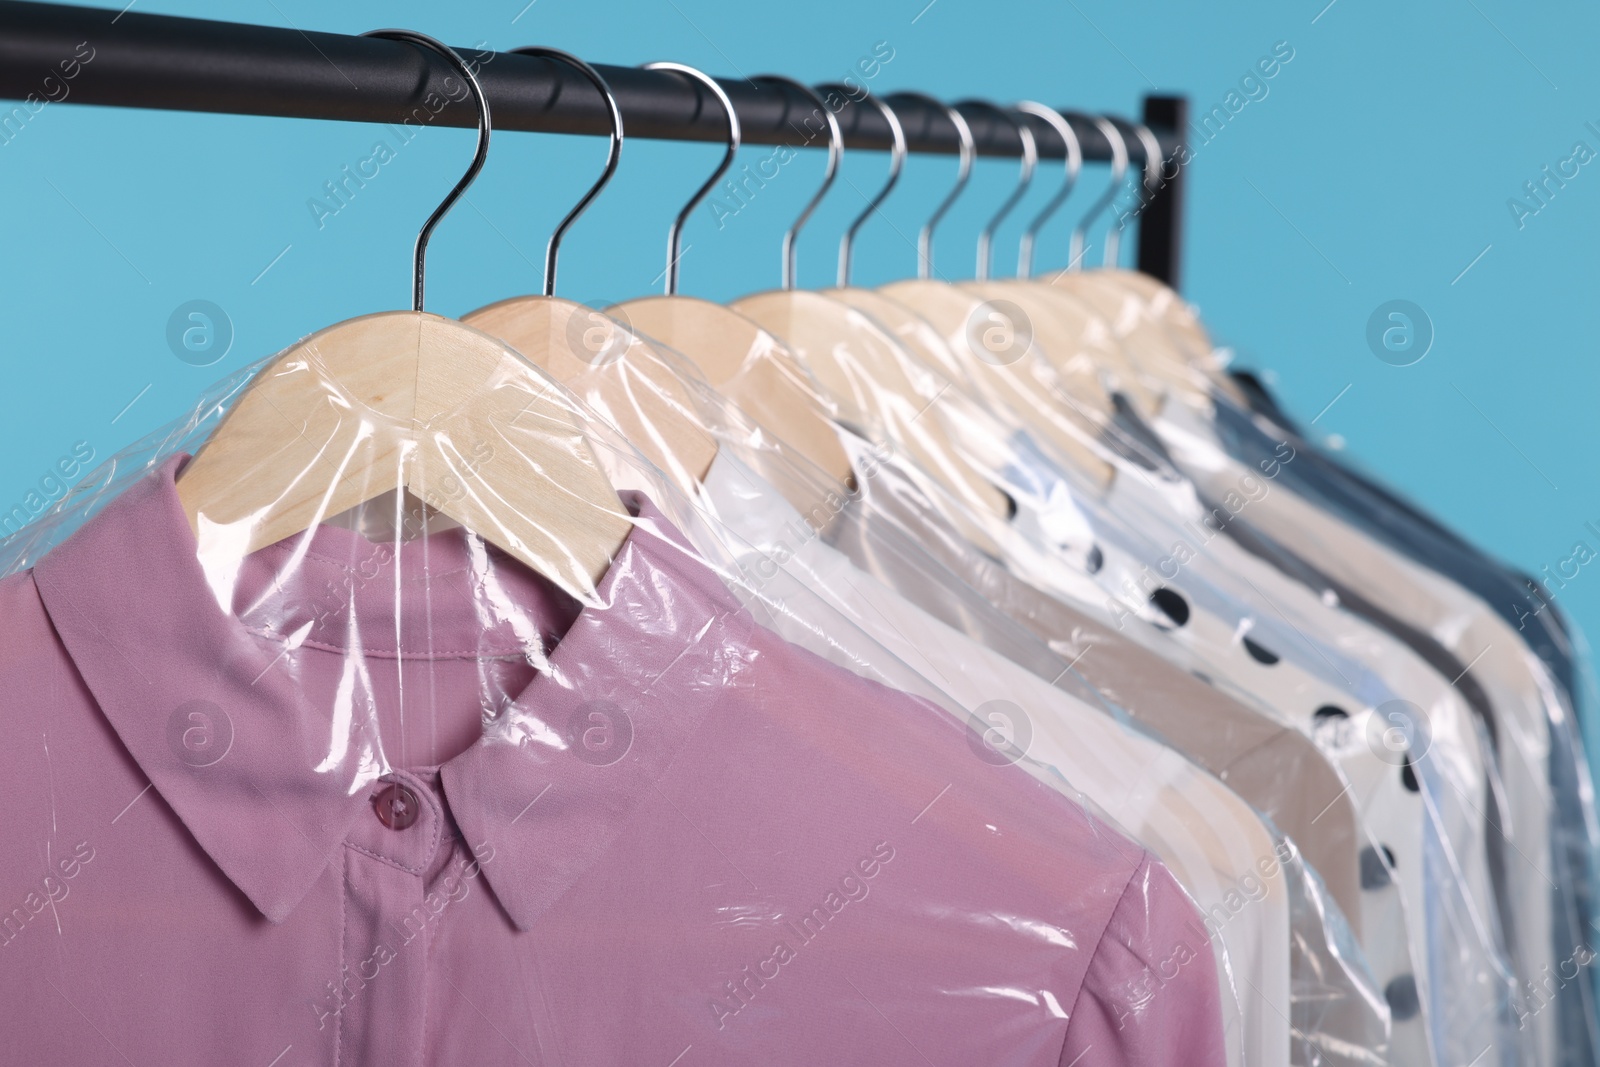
<point x="160" y="61"/>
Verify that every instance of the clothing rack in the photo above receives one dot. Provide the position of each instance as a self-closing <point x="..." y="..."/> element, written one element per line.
<point x="166" y="62"/>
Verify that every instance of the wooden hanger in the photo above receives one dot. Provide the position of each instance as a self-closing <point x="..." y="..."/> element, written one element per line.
<point x="912" y="330"/>
<point x="1157" y="363"/>
<point x="1027" y="386"/>
<point x="650" y="395"/>
<point x="627" y="382"/>
<point x="653" y="398"/>
<point x="1077" y="342"/>
<point x="744" y="362"/>
<point x="1161" y="302"/>
<point x="1022" y="383"/>
<point x="875" y="383"/>
<point x="749" y="366"/>
<point x="1163" y="358"/>
<point x="1073" y="334"/>
<point x="409" y="400"/>
<point x="614" y="371"/>
<point x="1166" y="306"/>
<point x="1177" y="322"/>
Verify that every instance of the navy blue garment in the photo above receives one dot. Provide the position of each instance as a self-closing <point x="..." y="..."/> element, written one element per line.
<point x="1252" y="435"/>
<point x="1399" y="524"/>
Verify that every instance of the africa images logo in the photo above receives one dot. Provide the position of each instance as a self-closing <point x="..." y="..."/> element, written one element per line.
<point x="852" y="887"/>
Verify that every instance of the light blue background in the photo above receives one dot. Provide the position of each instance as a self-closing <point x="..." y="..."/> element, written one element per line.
<point x="1379" y="166"/>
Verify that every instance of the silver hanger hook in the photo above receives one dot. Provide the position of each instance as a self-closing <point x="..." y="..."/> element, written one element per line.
<point x="1152" y="156"/>
<point x="835" y="151"/>
<point x="1149" y="178"/>
<point x="553" y="248"/>
<point x="1119" y="169"/>
<point x="419" y="253"/>
<point x="1030" y="160"/>
<point x="897" y="162"/>
<point x="735" y="139"/>
<point x="968" y="150"/>
<point x="1074" y="165"/>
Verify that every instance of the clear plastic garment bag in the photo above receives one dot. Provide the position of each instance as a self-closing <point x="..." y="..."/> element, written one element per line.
<point x="394" y="708"/>
<point x="1019" y="471"/>
<point x="942" y="672"/>
<point x="780" y="529"/>
<point x="779" y="537"/>
<point x="1544" y="839"/>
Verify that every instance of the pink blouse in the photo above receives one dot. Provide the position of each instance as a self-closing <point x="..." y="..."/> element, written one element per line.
<point x="408" y="805"/>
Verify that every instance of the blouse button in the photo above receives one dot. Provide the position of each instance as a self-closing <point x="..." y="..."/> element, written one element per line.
<point x="397" y="807"/>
